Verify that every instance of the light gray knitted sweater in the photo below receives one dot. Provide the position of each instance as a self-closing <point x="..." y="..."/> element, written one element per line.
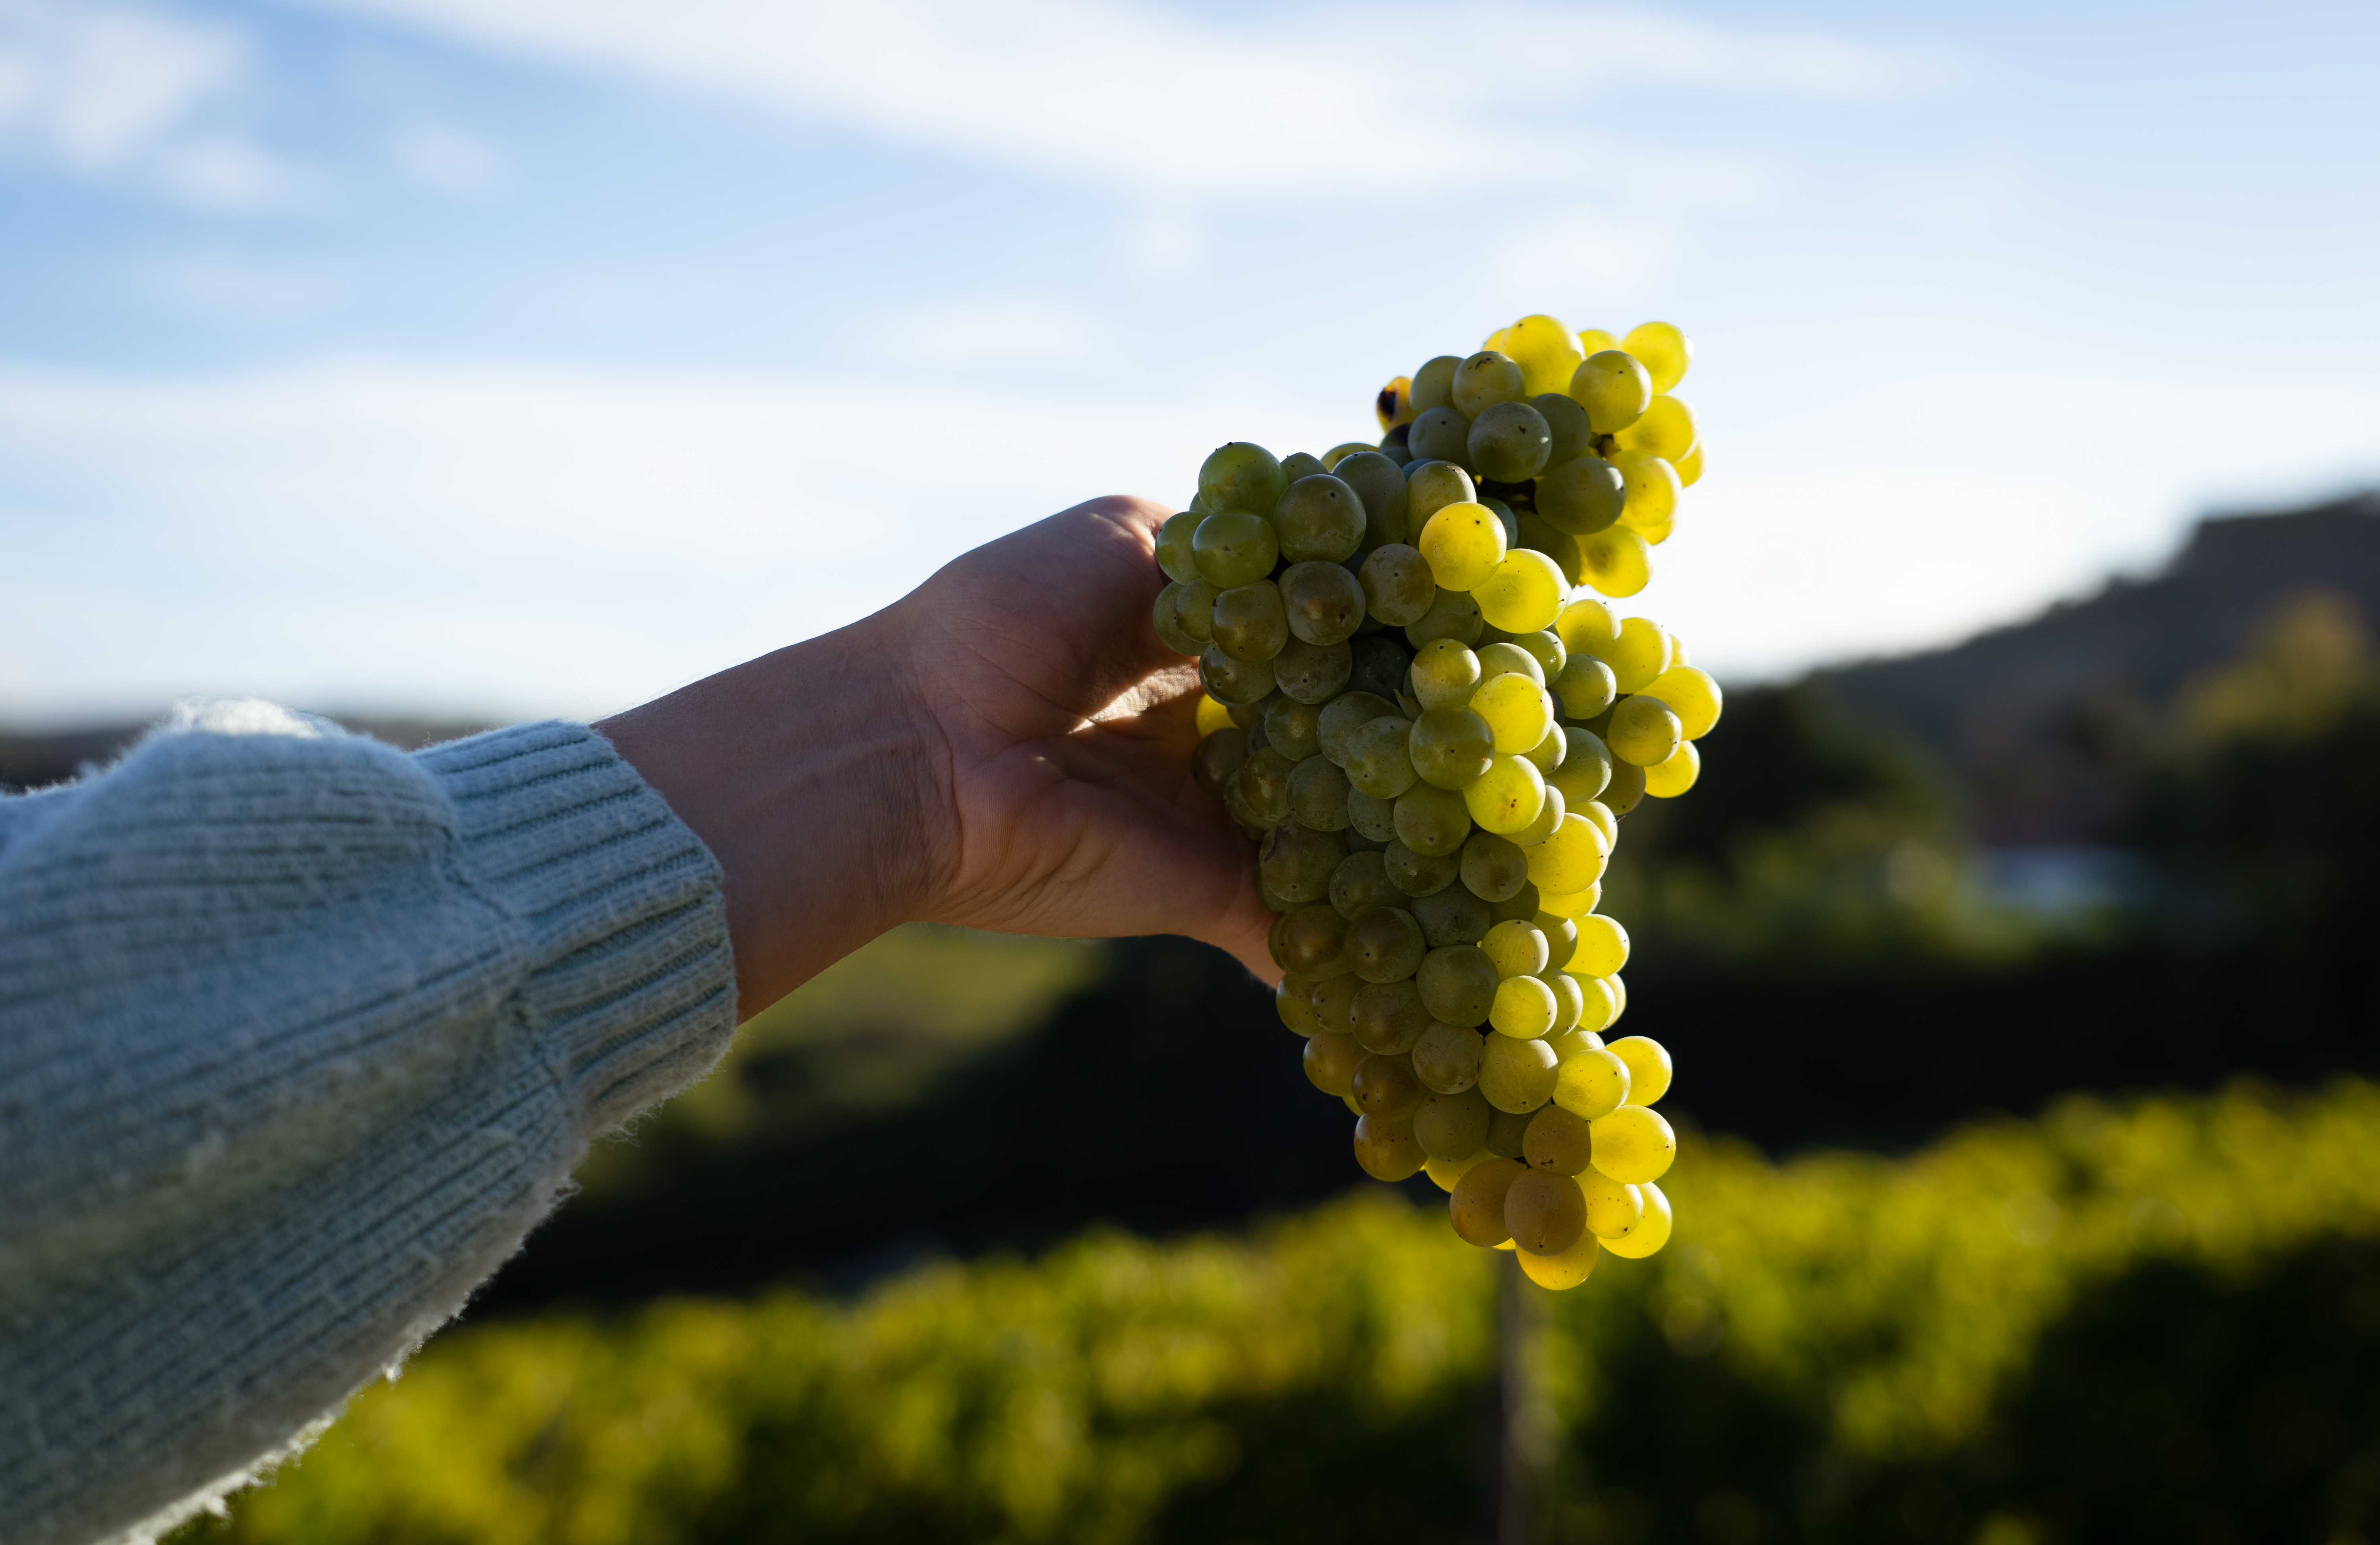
<point x="299" y="1036"/>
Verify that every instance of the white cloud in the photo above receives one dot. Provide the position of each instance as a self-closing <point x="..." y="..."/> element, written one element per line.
<point x="1000" y="333"/>
<point x="446" y="159"/>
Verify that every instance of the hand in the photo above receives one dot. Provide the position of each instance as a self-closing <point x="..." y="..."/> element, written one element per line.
<point x="1007" y="747"/>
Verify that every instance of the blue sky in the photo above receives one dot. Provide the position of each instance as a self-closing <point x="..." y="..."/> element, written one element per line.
<point x="500" y="358"/>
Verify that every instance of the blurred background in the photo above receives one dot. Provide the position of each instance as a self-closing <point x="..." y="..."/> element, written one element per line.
<point x="434" y="364"/>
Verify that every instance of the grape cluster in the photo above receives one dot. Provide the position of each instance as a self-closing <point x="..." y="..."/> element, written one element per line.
<point x="1433" y="733"/>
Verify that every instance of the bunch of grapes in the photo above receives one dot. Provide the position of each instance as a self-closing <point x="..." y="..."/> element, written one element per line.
<point x="1433" y="732"/>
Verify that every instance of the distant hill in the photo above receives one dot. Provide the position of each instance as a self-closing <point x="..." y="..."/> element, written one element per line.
<point x="2038" y="720"/>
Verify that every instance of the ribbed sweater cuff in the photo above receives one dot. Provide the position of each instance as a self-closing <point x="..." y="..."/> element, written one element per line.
<point x="634" y="992"/>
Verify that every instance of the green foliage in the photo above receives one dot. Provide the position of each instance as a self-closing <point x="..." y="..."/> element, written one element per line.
<point x="1816" y="1326"/>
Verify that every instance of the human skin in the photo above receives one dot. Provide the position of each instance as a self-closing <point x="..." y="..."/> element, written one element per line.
<point x="1006" y="747"/>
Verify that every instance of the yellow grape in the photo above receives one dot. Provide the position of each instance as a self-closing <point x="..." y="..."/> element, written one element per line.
<point x="1523" y="594"/>
<point x="1594" y="340"/>
<point x="1651" y="1232"/>
<point x="1547" y="1212"/>
<point x="1517" y="1074"/>
<point x="1497" y="340"/>
<point x="1619" y="998"/>
<point x="1573" y="1043"/>
<point x="1386" y="1150"/>
<point x="1212" y="716"/>
<point x="1571" y="859"/>
<point x="1617" y="562"/>
<point x="1394" y="406"/>
<point x="1518" y="712"/>
<point x="1638" y="656"/>
<point x="1645" y="732"/>
<point x="1570" y="1000"/>
<point x="1651" y="489"/>
<point x="1600" y="814"/>
<point x="1558" y="1140"/>
<point x="1602" y="1002"/>
<point x="1665" y="351"/>
<point x="1602" y="947"/>
<point x="1508" y="797"/>
<point x="1477" y="1205"/>
<point x="1613" y="1209"/>
<point x="1463" y="543"/>
<point x="1549" y="815"/>
<point x="1655" y="535"/>
<point x="1447" y="1174"/>
<point x="1614" y="388"/>
<point x="1677" y="653"/>
<point x="1690" y="694"/>
<point x="1592" y="1084"/>
<point x="1444" y="673"/>
<point x="1648" y="1067"/>
<point x="1666" y="781"/>
<point x="1517" y="949"/>
<point x="1569" y="903"/>
<point x="1634" y="1145"/>
<point x="1547" y="352"/>
<point x="1690" y="468"/>
<point x="1666" y="430"/>
<point x="1566" y="1269"/>
<point x="1587" y="627"/>
<point x="1547" y="753"/>
<point x="1524" y="1009"/>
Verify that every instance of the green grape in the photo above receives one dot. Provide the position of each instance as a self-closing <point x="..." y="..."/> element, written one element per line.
<point x="1451" y="615"/>
<point x="1444" y="673"/>
<point x="1415" y="873"/>
<point x="1690" y="467"/>
<point x="1452" y="1126"/>
<point x="1508" y="797"/>
<point x="1174" y="553"/>
<point x="1549" y="815"/>
<point x="1613" y="387"/>
<point x="1571" y="859"/>
<point x="1613" y="1210"/>
<point x="1599" y="814"/>
<point x="1387" y="944"/>
<point x="1562" y="936"/>
<point x="1193" y="610"/>
<point x="1546" y="755"/>
<point x="1298" y="464"/>
<point x="1291" y="1001"/>
<point x="1388" y="1017"/>
<point x="1450" y="915"/>
<point x="1652" y="490"/>
<point x="1559" y="545"/>
<point x="1331" y="1061"/>
<point x="1619" y="562"/>
<point x="1509" y="442"/>
<point x="1378" y="759"/>
<point x="1240" y="477"/>
<point x="1360" y="881"/>
<point x="1493" y="868"/>
<point x="1648" y="1067"/>
<point x="1593" y="1083"/>
<point x="1634" y="1145"/>
<point x="1585" y="687"/>
<point x="1666" y="781"/>
<point x="1667" y="431"/>
<point x="1312" y="672"/>
<point x="1640" y="653"/>
<point x="1312" y="941"/>
<point x="1462" y="544"/>
<point x="1439" y="434"/>
<point x="1505" y="518"/>
<point x="1515" y="949"/>
<point x="1233" y="547"/>
<point x="1217" y="758"/>
<point x="1568" y="432"/>
<point x="1323" y="603"/>
<point x="1516" y="710"/>
<point x="1644" y="731"/>
<point x="1385" y="1086"/>
<point x="1627" y="787"/>
<point x="1458" y="984"/>
<point x="1476" y="1206"/>
<point x="1295" y="863"/>
<point x="1602" y="947"/>
<point x="1263" y="783"/>
<point x="1249" y="622"/>
<point x="1524" y="1008"/>
<point x="1665" y="351"/>
<point x="1507" y="1130"/>
<point x="1574" y="1043"/>
<point x="1169" y="628"/>
<point x="1582" y="495"/>
<point x="1242" y="683"/>
<point x="1587" y="627"/>
<point x="1484" y="380"/>
<point x="1446" y="1057"/>
<point x="1379" y="484"/>
<point x="1523" y="593"/>
<point x="1290" y="726"/>
<point x="1451" y="747"/>
<point x="1431" y="820"/>
<point x="1509" y="659"/>
<point x="1341" y="715"/>
<point x="1340" y="453"/>
<point x="1318" y="794"/>
<point x="1431" y="487"/>
<point x="1652" y="1230"/>
<point x="1585" y="769"/>
<point x="1516" y="1072"/>
<point x="1570" y="998"/>
<point x="1396" y="584"/>
<point x="1545" y="646"/>
<point x="1386" y="1150"/>
<point x="1522" y="905"/>
<point x="1373" y="818"/>
<point x="1320" y="519"/>
<point x="1557" y="1142"/>
<point x="1690" y="694"/>
<point x="1379" y="667"/>
<point x="1433" y="384"/>
<point x="1334" y="1002"/>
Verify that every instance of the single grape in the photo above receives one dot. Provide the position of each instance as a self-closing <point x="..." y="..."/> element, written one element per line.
<point x="1240" y="477"/>
<point x="1447" y="1057"/>
<point x="1312" y="672"/>
<point x="1545" y="349"/>
<point x="1562" y="936"/>
<point x="1547" y="753"/>
<point x="1507" y="1130"/>
<point x="1568" y="432"/>
<point x="1505" y="518"/>
<point x="1563" y="1270"/>
<point x="1450" y="915"/>
<point x="1652" y="1230"/>
<point x="1523" y="593"/>
<point x="1378" y="762"/>
<point x="1451" y="747"/>
<point x="1432" y="821"/>
<point x="1570" y="1000"/>
<point x="1312" y="941"/>
<point x="1388" y="1017"/>
<point x="1379" y="483"/>
<point x="1557" y="1142"/>
<point x="1524" y="1008"/>
<point x="1581" y="495"/>
<point x="1458" y="984"/>
<point x="1396" y="584"/>
<point x="1292" y="1001"/>
<point x="1652" y="491"/>
<point x="1585" y="769"/>
<point x="1242" y="683"/>
<point x="1689" y="468"/>
<point x="1174" y="553"/>
<point x="1447" y="1174"/>
<point x="1233" y="547"/>
<point x="1214" y="716"/>
<point x="1431" y="487"/>
<point x="1547" y="1212"/>
<point x="1433" y="384"/>
<point x="1602" y="1003"/>
<point x="1595" y="340"/>
<point x="1666" y="781"/>
<point x="1318" y="794"/>
<point x="1385" y="1087"/>
<point x="1298" y="464"/>
<point x="1600" y="814"/>
<point x="1439" y="434"/>
<point x="1509" y="442"/>
<point x="1613" y="387"/>
<point x="1193" y="610"/>
<point x="1505" y="658"/>
<point x="1263" y="783"/>
<point x="1387" y="944"/>
<point x="1666" y="430"/>
<point x="1627" y="787"/>
<point x="1371" y="817"/>
<point x="1462" y="544"/>
<point x="1217" y="759"/>
<point x="1169" y="627"/>
<point x="1585" y="687"/>
<point x="1415" y="873"/>
<point x="1249" y="622"/>
<point x="1290" y="726"/>
<point x="1648" y="1067"/>
<point x="1341" y="716"/>
<point x="1558" y="546"/>
<point x="1444" y="673"/>
<point x="1320" y="518"/>
<point x="1360" y="881"/>
<point x="1619" y="562"/>
<point x="1386" y="1150"/>
<point x="1602" y="947"/>
<point x="1295" y="863"/>
<point x="1516" y="710"/>
<point x="1493" y="868"/>
<point x="1587" y="627"/>
<point x="1634" y="1145"/>
<point x="1521" y="906"/>
<point x="1451" y="614"/>
<point x="1484" y="380"/>
<point x="1334" y="1000"/>
<point x="1593" y="1084"/>
<point x="1690" y="694"/>
<point x="1324" y="604"/>
<point x="1452" y="1126"/>
<point x="1550" y="817"/>
<point x="1331" y="1060"/>
<point x="1666" y="352"/>
<point x="1620" y="996"/>
<point x="1644" y="731"/>
<point x="1571" y="859"/>
<point x="1508" y="797"/>
<point x="1517" y="1072"/>
<point x="1477" y="1207"/>
<point x="1515" y="949"/>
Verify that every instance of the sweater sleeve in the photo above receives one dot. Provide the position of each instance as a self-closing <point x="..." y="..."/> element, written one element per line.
<point x="299" y="1037"/>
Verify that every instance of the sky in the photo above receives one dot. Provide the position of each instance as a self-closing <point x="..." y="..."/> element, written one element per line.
<point x="493" y="359"/>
